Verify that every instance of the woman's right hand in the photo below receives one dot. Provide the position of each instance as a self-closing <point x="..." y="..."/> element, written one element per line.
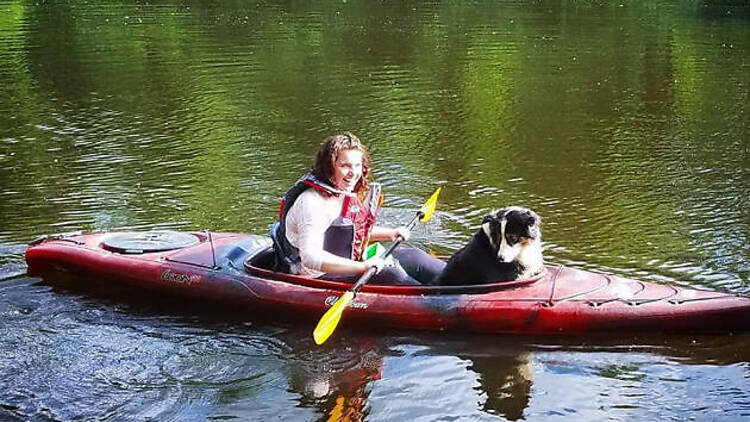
<point x="377" y="262"/>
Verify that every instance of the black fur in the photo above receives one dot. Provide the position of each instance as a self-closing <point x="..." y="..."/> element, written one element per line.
<point x="481" y="261"/>
<point x="477" y="263"/>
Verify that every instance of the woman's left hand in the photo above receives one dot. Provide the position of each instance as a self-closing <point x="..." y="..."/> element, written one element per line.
<point x="402" y="232"/>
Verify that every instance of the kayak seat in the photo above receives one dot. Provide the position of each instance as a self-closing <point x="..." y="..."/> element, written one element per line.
<point x="278" y="255"/>
<point x="282" y="262"/>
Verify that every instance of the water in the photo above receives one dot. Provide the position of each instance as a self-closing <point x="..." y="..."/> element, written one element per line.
<point x="625" y="126"/>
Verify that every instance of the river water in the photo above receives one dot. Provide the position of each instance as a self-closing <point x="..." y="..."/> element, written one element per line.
<point x="625" y="125"/>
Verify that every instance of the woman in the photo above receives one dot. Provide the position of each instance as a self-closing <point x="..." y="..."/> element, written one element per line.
<point x="326" y="219"/>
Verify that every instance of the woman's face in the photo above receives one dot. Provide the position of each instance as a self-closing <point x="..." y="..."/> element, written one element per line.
<point x="347" y="169"/>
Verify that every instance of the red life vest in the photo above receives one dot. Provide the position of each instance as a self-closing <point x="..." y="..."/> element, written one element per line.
<point x="347" y="235"/>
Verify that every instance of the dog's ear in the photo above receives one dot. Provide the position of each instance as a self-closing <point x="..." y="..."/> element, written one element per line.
<point x="489" y="218"/>
<point x="533" y="222"/>
<point x="530" y="218"/>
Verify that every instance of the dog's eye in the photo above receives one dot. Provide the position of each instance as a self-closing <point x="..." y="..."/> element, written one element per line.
<point x="513" y="238"/>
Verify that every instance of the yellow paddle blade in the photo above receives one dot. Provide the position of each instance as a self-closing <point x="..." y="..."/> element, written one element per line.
<point x="331" y="318"/>
<point x="429" y="207"/>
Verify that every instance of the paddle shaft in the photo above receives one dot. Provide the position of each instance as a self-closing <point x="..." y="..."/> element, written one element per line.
<point x="367" y="275"/>
<point x="330" y="319"/>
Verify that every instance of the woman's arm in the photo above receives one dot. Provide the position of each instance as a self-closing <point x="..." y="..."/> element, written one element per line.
<point x="334" y="264"/>
<point x="309" y="218"/>
<point x="387" y="234"/>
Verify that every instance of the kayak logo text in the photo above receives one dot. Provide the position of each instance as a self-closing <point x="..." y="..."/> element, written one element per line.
<point x="168" y="275"/>
<point x="330" y="300"/>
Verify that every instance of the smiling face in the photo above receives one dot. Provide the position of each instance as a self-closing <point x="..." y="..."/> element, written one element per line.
<point x="342" y="162"/>
<point x="347" y="169"/>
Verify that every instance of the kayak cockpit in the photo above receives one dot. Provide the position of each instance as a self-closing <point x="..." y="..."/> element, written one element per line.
<point x="260" y="265"/>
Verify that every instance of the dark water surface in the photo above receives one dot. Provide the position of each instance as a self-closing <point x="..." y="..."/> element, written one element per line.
<point x="625" y="125"/>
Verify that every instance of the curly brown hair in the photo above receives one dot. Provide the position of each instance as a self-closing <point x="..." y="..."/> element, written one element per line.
<point x="328" y="152"/>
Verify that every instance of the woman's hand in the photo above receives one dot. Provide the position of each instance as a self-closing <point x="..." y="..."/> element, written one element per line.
<point x="403" y="232"/>
<point x="377" y="262"/>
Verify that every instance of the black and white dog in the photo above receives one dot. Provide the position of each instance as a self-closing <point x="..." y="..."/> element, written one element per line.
<point x="507" y="247"/>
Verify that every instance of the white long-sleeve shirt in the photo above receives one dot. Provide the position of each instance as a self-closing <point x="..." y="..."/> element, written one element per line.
<point x="306" y="223"/>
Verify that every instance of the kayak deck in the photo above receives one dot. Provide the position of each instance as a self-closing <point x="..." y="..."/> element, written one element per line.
<point x="228" y="268"/>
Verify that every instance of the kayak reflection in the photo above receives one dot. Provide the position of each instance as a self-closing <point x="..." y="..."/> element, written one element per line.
<point x="337" y="381"/>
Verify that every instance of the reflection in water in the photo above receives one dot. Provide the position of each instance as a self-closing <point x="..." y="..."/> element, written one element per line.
<point x="503" y="369"/>
<point x="336" y="380"/>
<point x="506" y="381"/>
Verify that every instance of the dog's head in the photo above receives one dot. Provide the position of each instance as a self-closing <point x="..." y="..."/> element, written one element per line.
<point x="510" y="230"/>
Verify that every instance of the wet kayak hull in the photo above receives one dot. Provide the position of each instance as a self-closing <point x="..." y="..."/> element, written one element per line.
<point x="227" y="268"/>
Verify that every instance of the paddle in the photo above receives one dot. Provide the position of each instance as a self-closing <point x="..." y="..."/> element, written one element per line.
<point x="330" y="319"/>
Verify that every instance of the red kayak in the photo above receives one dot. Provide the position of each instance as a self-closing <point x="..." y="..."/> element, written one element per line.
<point x="229" y="268"/>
